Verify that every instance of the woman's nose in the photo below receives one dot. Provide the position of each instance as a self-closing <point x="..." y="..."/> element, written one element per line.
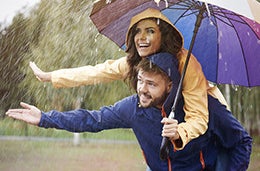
<point x="142" y="36"/>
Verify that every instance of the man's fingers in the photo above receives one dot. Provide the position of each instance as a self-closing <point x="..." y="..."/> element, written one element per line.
<point x="11" y="112"/>
<point x="25" y="105"/>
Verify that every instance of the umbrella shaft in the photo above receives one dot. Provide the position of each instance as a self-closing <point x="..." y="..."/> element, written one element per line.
<point x="164" y="149"/>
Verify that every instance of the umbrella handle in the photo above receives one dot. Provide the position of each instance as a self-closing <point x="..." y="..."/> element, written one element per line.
<point x="165" y="148"/>
<point x="165" y="145"/>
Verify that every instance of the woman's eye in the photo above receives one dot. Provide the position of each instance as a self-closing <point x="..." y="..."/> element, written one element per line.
<point x="150" y="31"/>
<point x="137" y="31"/>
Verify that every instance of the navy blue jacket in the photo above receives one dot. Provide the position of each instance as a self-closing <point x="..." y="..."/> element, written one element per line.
<point x="225" y="133"/>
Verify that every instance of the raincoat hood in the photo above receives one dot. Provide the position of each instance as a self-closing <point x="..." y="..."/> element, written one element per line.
<point x="169" y="64"/>
<point x="152" y="13"/>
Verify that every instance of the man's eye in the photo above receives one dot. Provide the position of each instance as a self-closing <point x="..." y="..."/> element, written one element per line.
<point x="151" y="84"/>
<point x="139" y="80"/>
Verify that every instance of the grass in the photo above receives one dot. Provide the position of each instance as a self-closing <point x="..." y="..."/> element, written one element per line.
<point x="96" y="155"/>
<point x="42" y="156"/>
<point x="50" y="155"/>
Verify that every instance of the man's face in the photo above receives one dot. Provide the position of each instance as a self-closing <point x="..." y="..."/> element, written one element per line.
<point x="147" y="38"/>
<point x="152" y="89"/>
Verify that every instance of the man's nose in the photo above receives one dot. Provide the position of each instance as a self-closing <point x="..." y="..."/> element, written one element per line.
<point x="143" y="88"/>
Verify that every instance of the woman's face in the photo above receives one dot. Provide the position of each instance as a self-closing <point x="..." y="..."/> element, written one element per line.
<point x="147" y="38"/>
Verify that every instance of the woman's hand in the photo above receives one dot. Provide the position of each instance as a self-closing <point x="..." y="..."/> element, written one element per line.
<point x="29" y="114"/>
<point x="40" y="75"/>
<point x="170" y="128"/>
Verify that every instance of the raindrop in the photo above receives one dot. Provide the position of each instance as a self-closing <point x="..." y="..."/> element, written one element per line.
<point x="220" y="56"/>
<point x="158" y="21"/>
<point x="234" y="86"/>
<point x="226" y="68"/>
<point x="108" y="1"/>
<point x="169" y="72"/>
<point x="150" y="64"/>
<point x="220" y="34"/>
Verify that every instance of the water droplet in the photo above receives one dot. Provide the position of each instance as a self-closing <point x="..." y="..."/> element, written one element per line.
<point x="220" y="55"/>
<point x="169" y="72"/>
<point x="108" y="1"/>
<point x="226" y="68"/>
<point x="150" y="64"/>
<point x="234" y="86"/>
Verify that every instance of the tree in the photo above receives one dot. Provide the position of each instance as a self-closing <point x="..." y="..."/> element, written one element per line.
<point x="63" y="36"/>
<point x="245" y="105"/>
<point x="14" y="43"/>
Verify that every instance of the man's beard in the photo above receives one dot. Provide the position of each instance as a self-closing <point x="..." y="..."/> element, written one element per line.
<point x="155" y="101"/>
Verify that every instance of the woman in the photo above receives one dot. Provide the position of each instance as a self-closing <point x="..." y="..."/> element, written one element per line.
<point x="149" y="32"/>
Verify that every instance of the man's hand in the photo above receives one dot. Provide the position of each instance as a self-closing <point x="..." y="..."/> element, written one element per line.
<point x="29" y="114"/>
<point x="40" y="75"/>
<point x="170" y="128"/>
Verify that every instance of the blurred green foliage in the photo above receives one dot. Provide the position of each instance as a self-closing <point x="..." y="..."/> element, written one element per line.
<point x="57" y="34"/>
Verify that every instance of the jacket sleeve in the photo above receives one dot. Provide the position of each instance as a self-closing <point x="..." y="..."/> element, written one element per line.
<point x="89" y="75"/>
<point x="232" y="137"/>
<point x="195" y="101"/>
<point x="82" y="120"/>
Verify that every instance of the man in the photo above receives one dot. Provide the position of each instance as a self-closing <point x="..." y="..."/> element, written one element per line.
<point x="157" y="82"/>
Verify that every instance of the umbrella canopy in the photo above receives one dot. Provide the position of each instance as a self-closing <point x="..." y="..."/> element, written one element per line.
<point x="227" y="43"/>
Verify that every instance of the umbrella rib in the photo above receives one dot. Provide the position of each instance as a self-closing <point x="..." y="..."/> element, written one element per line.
<point x="218" y="13"/>
<point x="186" y="6"/>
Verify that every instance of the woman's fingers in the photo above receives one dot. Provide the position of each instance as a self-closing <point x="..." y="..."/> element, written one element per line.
<point x="170" y="127"/>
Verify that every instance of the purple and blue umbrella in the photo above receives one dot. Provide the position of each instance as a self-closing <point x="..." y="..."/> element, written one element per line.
<point x="227" y="44"/>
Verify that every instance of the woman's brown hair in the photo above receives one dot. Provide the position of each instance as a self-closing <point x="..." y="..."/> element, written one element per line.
<point x="169" y="43"/>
